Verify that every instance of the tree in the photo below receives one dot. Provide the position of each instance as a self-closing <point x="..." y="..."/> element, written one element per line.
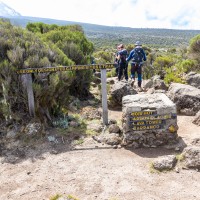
<point x="194" y="48"/>
<point x="73" y="43"/>
<point x="161" y="63"/>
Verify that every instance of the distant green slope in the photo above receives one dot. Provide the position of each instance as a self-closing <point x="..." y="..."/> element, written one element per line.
<point x="111" y="35"/>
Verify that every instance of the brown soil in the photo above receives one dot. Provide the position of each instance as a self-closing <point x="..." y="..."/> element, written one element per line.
<point x="95" y="171"/>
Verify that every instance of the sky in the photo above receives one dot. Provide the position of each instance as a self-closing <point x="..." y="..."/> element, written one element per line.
<point x="170" y="14"/>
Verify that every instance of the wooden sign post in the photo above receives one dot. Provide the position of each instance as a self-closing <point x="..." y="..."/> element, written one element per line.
<point x="102" y="67"/>
<point x="29" y="88"/>
<point x="104" y="96"/>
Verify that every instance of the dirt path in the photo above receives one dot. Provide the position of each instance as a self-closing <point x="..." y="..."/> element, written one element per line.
<point x="94" y="171"/>
<point x="187" y="130"/>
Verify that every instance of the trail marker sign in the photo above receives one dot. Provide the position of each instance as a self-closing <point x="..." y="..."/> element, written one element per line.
<point x="102" y="67"/>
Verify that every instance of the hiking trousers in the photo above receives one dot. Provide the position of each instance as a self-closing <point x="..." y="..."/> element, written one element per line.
<point x="136" y="67"/>
<point x="116" y="68"/>
<point x="123" y="70"/>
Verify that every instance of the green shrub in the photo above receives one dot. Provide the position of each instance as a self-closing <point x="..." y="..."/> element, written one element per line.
<point x="177" y="72"/>
<point x="170" y="77"/>
<point x="52" y="46"/>
<point x="111" y="73"/>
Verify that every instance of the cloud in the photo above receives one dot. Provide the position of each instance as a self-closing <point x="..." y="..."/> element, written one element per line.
<point x="115" y="5"/>
<point x="150" y="16"/>
<point x="183" y="18"/>
<point x="178" y="14"/>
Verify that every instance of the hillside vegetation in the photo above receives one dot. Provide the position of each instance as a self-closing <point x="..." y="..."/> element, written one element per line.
<point x="45" y="45"/>
<point x="20" y="48"/>
<point x="112" y="35"/>
<point x="49" y="156"/>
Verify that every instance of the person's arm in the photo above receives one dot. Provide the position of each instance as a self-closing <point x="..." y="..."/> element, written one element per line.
<point x="144" y="55"/>
<point x="118" y="56"/>
<point x="130" y="56"/>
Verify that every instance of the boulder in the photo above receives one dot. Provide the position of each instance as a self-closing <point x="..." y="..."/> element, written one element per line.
<point x="149" y="120"/>
<point x="193" y="79"/>
<point x="186" y="98"/>
<point x="192" y="157"/>
<point x="118" y="91"/>
<point x="155" y="82"/>
<point x="164" y="163"/>
<point x="114" y="128"/>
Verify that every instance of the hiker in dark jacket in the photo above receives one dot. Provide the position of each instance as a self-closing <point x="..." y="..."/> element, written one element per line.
<point x="137" y="56"/>
<point x="122" y="55"/>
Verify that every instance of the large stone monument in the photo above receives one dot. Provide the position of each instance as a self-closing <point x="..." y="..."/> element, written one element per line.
<point x="149" y="120"/>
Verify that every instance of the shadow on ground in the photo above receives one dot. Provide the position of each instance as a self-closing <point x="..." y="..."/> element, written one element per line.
<point x="160" y="151"/>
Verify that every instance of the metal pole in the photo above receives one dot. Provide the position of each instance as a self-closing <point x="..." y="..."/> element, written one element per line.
<point x="104" y="96"/>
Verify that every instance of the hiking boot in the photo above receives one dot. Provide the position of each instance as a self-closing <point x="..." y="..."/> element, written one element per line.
<point x="132" y="82"/>
<point x="140" y="89"/>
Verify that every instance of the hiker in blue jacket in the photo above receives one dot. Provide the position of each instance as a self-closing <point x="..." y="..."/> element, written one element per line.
<point x="123" y="65"/>
<point x="137" y="56"/>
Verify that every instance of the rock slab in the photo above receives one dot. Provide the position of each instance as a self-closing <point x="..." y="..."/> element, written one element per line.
<point x="148" y="120"/>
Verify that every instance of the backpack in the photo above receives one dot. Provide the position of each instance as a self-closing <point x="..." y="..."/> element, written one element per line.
<point x="138" y="55"/>
<point x="123" y="56"/>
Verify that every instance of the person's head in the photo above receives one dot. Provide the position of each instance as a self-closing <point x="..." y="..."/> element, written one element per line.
<point x="138" y="43"/>
<point x="121" y="46"/>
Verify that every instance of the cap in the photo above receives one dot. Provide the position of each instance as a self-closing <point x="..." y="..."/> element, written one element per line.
<point x="138" y="43"/>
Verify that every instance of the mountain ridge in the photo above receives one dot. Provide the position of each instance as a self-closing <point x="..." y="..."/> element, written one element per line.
<point x="102" y="35"/>
<point x="7" y="11"/>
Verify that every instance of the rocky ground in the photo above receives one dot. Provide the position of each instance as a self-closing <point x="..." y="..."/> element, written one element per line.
<point x="87" y="170"/>
<point x="95" y="171"/>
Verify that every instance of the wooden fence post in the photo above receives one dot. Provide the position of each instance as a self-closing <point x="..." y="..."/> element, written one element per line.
<point x="30" y="94"/>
